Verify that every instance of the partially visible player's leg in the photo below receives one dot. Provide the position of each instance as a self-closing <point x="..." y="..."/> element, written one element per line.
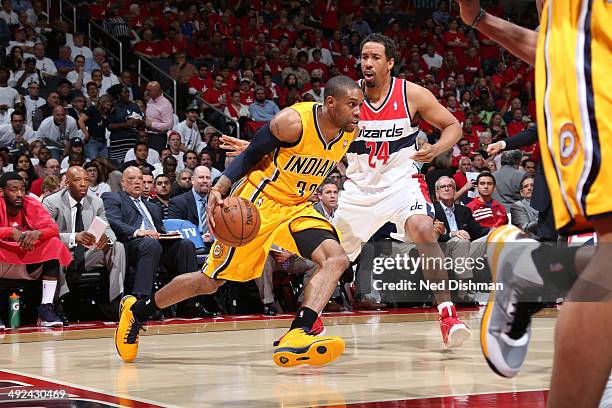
<point x="300" y="345"/>
<point x="583" y="349"/>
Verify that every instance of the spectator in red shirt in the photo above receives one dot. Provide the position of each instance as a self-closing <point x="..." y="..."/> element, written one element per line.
<point x="453" y="107"/>
<point x="465" y="165"/>
<point x="147" y="47"/>
<point x="199" y="50"/>
<point x="504" y="101"/>
<point x="346" y="63"/>
<point x="513" y="77"/>
<point x="172" y="44"/>
<point x="317" y="64"/>
<point x="464" y="151"/>
<point x="471" y="64"/>
<point x="517" y="125"/>
<point x="454" y="39"/>
<point x="489" y="52"/>
<point x="486" y="211"/>
<point x="246" y="92"/>
<point x="450" y="67"/>
<point x="215" y="96"/>
<point x="200" y="83"/>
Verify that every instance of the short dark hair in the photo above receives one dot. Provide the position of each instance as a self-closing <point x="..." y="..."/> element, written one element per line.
<point x="325" y="182"/>
<point x="140" y="144"/>
<point x="339" y="85"/>
<point x="390" y="48"/>
<point x="528" y="161"/>
<point x="6" y="177"/>
<point x="525" y="177"/>
<point x="160" y="176"/>
<point x="191" y="151"/>
<point x="18" y="113"/>
<point x="485" y="174"/>
<point x="145" y="171"/>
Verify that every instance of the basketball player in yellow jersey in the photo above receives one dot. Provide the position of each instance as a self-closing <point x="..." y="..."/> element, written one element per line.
<point x="286" y="161"/>
<point x="573" y="54"/>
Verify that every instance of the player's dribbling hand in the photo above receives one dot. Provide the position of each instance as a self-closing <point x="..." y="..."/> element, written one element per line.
<point x="425" y="154"/>
<point x="214" y="199"/>
<point x="469" y="9"/>
<point x="233" y="145"/>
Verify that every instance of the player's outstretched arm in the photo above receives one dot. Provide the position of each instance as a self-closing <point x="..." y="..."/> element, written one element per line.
<point x="520" y="41"/>
<point x="428" y="108"/>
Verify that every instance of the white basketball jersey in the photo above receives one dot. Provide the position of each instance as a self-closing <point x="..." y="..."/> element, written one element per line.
<point x="380" y="155"/>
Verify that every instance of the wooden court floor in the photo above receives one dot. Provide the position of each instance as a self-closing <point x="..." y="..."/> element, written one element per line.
<point x="392" y="359"/>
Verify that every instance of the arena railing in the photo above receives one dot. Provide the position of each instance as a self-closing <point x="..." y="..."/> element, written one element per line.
<point x="229" y="118"/>
<point x="100" y="38"/>
<point x="67" y="12"/>
<point x="147" y="68"/>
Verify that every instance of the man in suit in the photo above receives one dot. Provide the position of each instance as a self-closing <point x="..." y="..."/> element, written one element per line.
<point x="523" y="215"/>
<point x="191" y="205"/>
<point x="138" y="225"/>
<point x="462" y="236"/>
<point x="73" y="210"/>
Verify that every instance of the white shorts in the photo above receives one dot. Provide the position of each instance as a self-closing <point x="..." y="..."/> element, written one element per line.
<point x="361" y="212"/>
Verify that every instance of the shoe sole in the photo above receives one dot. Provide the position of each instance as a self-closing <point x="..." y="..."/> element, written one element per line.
<point x="318" y="353"/>
<point x="40" y="323"/>
<point x="487" y="341"/>
<point x="458" y="334"/>
<point x="121" y="305"/>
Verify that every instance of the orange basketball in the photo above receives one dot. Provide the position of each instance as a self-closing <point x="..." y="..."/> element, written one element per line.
<point x="237" y="223"/>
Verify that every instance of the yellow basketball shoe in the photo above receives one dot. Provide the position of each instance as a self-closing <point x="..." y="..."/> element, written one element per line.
<point x="128" y="330"/>
<point x="298" y="347"/>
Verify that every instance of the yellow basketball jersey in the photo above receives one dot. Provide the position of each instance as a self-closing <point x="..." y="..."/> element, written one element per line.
<point x="289" y="175"/>
<point x="574" y="106"/>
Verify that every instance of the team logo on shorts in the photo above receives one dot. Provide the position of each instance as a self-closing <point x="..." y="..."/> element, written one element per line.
<point x="258" y="203"/>
<point x="568" y="143"/>
<point x="218" y="250"/>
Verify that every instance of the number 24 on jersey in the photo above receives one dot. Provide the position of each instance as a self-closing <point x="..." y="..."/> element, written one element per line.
<point x="379" y="152"/>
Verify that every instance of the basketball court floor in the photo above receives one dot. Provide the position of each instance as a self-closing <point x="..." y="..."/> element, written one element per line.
<point x="392" y="359"/>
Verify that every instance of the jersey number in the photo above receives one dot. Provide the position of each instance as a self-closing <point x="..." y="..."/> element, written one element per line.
<point x="302" y="187"/>
<point x="379" y="151"/>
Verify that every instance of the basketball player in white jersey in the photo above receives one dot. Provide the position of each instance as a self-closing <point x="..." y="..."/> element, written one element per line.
<point x="383" y="182"/>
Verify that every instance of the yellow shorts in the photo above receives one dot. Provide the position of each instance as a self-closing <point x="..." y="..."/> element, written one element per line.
<point x="574" y="103"/>
<point x="278" y="223"/>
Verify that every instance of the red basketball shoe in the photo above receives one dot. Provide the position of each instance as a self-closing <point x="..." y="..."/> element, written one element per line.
<point x="454" y="331"/>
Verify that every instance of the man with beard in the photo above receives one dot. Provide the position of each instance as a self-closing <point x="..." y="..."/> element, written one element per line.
<point x="162" y="191"/>
<point x="30" y="244"/>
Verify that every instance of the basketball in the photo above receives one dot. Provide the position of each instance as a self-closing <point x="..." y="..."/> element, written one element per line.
<point x="237" y="222"/>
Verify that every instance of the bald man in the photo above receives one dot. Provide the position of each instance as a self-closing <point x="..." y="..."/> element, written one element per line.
<point x="159" y="116"/>
<point x="73" y="210"/>
<point x="57" y="130"/>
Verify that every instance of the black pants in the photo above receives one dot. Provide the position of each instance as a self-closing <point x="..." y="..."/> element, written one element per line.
<point x="146" y="254"/>
<point x="49" y="268"/>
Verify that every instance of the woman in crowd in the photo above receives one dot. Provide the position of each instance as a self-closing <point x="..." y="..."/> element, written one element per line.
<point x="216" y="153"/>
<point x="15" y="59"/>
<point x="22" y="162"/>
<point x="93" y="123"/>
<point x="123" y="122"/>
<point x="97" y="186"/>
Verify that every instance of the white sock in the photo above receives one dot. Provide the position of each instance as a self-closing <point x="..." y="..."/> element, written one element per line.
<point x="48" y="291"/>
<point x="442" y="305"/>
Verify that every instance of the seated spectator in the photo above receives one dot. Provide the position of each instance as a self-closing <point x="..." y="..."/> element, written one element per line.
<point x="45" y="65"/>
<point x="141" y="151"/>
<point x="458" y="229"/>
<point x="148" y="46"/>
<point x="262" y="110"/>
<point x="108" y="78"/>
<point x="182" y="183"/>
<point x="191" y="205"/>
<point x="236" y="109"/>
<point x="52" y="168"/>
<point x="75" y="146"/>
<point x="432" y="59"/>
<point x="465" y="150"/>
<point x="316" y="91"/>
<point x="522" y="214"/>
<point x="460" y="177"/>
<point x="486" y="211"/>
<point x="508" y="178"/>
<point x="73" y="210"/>
<point x="32" y="102"/>
<point x="189" y="131"/>
<point x="206" y="160"/>
<point x="162" y="193"/>
<point x="168" y="165"/>
<point x="97" y="186"/>
<point x="529" y="166"/>
<point x="28" y="75"/>
<point x="95" y="63"/>
<point x="517" y="124"/>
<point x="50" y="185"/>
<point x="30" y="244"/>
<point x="16" y="135"/>
<point x="174" y="144"/>
<point x="138" y="224"/>
<point x="153" y="157"/>
<point x="56" y="131"/>
<point x="78" y="77"/>
<point x="147" y="184"/>
<point x="46" y="110"/>
<point x="78" y="47"/>
<point x="191" y="160"/>
<point x="64" y="64"/>
<point x="199" y="84"/>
